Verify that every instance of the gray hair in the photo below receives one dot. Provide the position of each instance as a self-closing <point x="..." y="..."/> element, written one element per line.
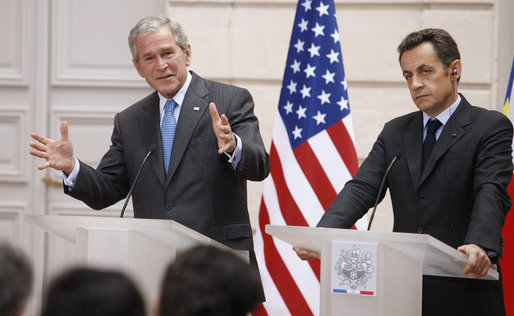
<point x="15" y="279"/>
<point x="152" y="24"/>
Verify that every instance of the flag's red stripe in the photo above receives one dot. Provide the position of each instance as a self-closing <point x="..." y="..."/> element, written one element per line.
<point x="507" y="261"/>
<point x="290" y="211"/>
<point x="259" y="310"/>
<point x="315" y="174"/>
<point x="344" y="145"/>
<point x="278" y="271"/>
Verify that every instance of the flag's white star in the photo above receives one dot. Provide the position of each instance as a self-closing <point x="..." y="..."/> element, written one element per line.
<point x="329" y="77"/>
<point x="306" y="92"/>
<point x="318" y="30"/>
<point x="307" y="5"/>
<point x="303" y="25"/>
<point x="314" y="50"/>
<point x="295" y="66"/>
<point x="343" y="104"/>
<point x="292" y="87"/>
<point x="333" y="56"/>
<point x="344" y="83"/>
<point x="288" y="107"/>
<point x="299" y="46"/>
<point x="335" y="36"/>
<point x="309" y="71"/>
<point x="301" y="112"/>
<point x="320" y="118"/>
<point x="322" y="9"/>
<point x="297" y="132"/>
<point x="324" y="97"/>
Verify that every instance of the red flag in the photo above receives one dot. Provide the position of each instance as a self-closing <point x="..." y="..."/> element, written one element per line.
<point x="312" y="156"/>
<point x="507" y="262"/>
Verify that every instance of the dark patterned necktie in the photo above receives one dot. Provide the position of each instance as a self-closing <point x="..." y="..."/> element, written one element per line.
<point x="428" y="145"/>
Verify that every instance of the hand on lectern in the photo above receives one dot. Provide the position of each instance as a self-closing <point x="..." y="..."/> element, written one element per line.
<point x="306" y="254"/>
<point x="478" y="261"/>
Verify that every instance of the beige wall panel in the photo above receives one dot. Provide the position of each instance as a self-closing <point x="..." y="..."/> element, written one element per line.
<point x="473" y="30"/>
<point x="369" y="39"/>
<point x="85" y="52"/>
<point x="14" y="38"/>
<point x="13" y="159"/>
<point x="210" y="39"/>
<point x="261" y="38"/>
<point x="10" y="222"/>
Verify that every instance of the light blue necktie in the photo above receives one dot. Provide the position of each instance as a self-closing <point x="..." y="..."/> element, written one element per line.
<point x="168" y="126"/>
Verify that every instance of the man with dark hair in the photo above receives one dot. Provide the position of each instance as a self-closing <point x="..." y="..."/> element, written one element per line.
<point x="15" y="280"/>
<point x="208" y="281"/>
<point x="87" y="292"/>
<point x="451" y="181"/>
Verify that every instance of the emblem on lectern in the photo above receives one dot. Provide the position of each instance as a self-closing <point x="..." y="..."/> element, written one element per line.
<point x="354" y="268"/>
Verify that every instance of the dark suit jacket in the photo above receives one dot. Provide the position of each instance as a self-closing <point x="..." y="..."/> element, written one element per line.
<point x="202" y="190"/>
<point x="461" y="196"/>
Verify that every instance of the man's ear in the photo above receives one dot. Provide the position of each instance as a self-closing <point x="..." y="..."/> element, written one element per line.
<point x="187" y="52"/>
<point x="136" y="65"/>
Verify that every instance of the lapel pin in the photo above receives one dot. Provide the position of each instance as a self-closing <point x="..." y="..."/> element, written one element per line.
<point x="453" y="134"/>
<point x="196" y="108"/>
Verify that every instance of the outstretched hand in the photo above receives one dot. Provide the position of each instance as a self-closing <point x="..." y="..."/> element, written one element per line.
<point x="58" y="154"/>
<point x="220" y="125"/>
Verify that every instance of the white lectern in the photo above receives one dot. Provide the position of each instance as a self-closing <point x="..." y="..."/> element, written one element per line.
<point x="142" y="248"/>
<point x="400" y="262"/>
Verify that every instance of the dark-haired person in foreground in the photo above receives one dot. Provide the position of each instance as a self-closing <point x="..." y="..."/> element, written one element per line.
<point x="88" y="291"/>
<point x="16" y="277"/>
<point x="456" y="192"/>
<point x="208" y="281"/>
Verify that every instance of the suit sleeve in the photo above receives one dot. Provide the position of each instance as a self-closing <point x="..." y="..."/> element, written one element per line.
<point x="492" y="174"/>
<point x="254" y="164"/>
<point x="359" y="194"/>
<point x="107" y="184"/>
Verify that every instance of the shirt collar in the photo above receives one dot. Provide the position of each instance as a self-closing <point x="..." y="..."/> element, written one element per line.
<point x="444" y="116"/>
<point x="178" y="98"/>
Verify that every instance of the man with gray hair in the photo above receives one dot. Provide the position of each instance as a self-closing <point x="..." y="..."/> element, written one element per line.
<point x="15" y="280"/>
<point x="198" y="161"/>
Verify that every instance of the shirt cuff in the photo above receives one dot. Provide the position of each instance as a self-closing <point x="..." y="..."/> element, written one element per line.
<point x="236" y="155"/>
<point x="69" y="180"/>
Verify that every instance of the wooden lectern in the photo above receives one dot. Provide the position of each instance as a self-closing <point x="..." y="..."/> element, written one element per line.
<point x="400" y="262"/>
<point x="141" y="248"/>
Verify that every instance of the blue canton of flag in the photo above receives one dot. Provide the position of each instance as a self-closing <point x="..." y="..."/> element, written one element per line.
<point x="313" y="95"/>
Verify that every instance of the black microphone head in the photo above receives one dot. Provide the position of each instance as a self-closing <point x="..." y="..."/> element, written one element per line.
<point x="152" y="148"/>
<point x="398" y="156"/>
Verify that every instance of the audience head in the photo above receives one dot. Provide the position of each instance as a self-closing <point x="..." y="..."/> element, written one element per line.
<point x="86" y="291"/>
<point x="208" y="281"/>
<point x="15" y="280"/>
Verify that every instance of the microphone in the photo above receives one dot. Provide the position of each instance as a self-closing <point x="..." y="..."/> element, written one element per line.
<point x="395" y="159"/>
<point x="151" y="149"/>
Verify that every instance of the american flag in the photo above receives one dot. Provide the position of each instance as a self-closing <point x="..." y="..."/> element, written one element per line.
<point x="312" y="156"/>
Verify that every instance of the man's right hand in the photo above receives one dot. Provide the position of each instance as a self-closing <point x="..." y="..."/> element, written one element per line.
<point x="57" y="153"/>
<point x="306" y="254"/>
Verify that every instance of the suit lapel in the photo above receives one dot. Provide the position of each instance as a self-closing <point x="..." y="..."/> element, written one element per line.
<point x="150" y="127"/>
<point x="414" y="148"/>
<point x="451" y="133"/>
<point x="191" y="111"/>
